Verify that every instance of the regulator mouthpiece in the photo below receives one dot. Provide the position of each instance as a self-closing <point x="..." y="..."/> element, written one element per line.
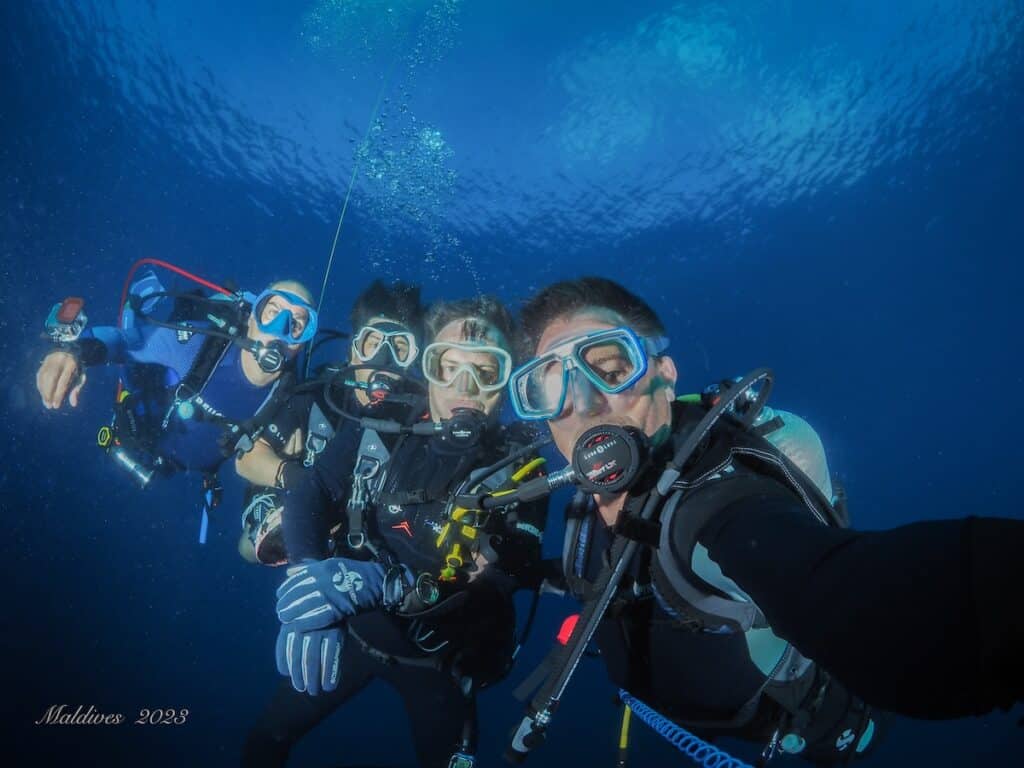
<point x="608" y="458"/>
<point x="269" y="357"/>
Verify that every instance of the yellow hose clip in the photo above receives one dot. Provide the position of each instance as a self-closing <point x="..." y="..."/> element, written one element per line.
<point x="527" y="468"/>
<point x="104" y="437"/>
<point x="443" y="535"/>
<point x="454" y="558"/>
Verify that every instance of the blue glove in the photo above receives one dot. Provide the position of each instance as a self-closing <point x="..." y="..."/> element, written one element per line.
<point x="323" y="593"/>
<point x="311" y="658"/>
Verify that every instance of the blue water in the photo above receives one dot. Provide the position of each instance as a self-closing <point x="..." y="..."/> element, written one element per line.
<point x="832" y="189"/>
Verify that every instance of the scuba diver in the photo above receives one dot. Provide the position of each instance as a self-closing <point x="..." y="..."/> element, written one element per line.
<point x="329" y="409"/>
<point x="419" y="592"/>
<point x="712" y="569"/>
<point x="198" y="368"/>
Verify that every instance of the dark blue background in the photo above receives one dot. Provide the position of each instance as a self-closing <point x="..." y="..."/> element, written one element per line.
<point x="832" y="189"/>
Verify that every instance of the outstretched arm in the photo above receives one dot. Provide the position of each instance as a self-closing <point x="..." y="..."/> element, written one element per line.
<point x="62" y="373"/>
<point x="923" y="620"/>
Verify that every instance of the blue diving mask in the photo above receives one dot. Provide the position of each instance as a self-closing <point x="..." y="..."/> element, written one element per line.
<point x="611" y="360"/>
<point x="285" y="315"/>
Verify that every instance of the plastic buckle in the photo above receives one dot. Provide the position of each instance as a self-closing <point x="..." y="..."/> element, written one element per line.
<point x="358" y="499"/>
<point x="368" y="468"/>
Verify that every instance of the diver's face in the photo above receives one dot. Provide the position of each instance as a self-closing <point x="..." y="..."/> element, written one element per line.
<point x="462" y="390"/>
<point x="272" y="307"/>
<point x="646" y="405"/>
<point x="370" y="344"/>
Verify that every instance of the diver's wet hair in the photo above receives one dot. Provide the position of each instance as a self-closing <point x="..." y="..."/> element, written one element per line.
<point x="481" y="316"/>
<point x="569" y="297"/>
<point x="398" y="301"/>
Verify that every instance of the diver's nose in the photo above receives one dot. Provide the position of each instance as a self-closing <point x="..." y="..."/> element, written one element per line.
<point x="465" y="384"/>
<point x="586" y="399"/>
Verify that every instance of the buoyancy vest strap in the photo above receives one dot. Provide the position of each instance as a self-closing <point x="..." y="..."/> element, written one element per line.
<point x="210" y="354"/>
<point x="685" y="578"/>
<point x="672" y="566"/>
<point x="371" y="459"/>
<point x="318" y="434"/>
<point x="533" y="681"/>
<point x="245" y="432"/>
<point x="432" y="661"/>
<point x="772" y="425"/>
<point x="578" y="525"/>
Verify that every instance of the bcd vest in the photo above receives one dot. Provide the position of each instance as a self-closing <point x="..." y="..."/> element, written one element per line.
<point x="734" y="464"/>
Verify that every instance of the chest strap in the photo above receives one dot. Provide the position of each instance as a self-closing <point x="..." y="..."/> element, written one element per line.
<point x="370" y="463"/>
<point x="318" y="433"/>
<point x="211" y="353"/>
<point x="240" y="437"/>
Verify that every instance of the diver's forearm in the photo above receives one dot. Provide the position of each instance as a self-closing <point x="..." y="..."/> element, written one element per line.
<point x="310" y="496"/>
<point x="260" y="466"/>
<point x="923" y="619"/>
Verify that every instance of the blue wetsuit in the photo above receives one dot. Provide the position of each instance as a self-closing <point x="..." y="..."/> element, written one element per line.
<point x="155" y="363"/>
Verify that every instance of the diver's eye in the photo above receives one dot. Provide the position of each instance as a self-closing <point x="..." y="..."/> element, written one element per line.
<point x="610" y="362"/>
<point x="613" y="373"/>
<point x="487" y="375"/>
<point x="448" y="371"/>
<point x="371" y="342"/>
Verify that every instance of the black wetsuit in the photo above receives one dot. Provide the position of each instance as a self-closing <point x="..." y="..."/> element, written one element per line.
<point x="293" y="414"/>
<point x="316" y="496"/>
<point x="459" y="650"/>
<point x="707" y="680"/>
<point x="923" y="620"/>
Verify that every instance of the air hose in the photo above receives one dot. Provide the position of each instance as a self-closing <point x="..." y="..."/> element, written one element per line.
<point x="693" y="747"/>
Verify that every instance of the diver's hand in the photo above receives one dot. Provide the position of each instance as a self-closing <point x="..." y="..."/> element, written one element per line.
<point x="295" y="445"/>
<point x="59" y="374"/>
<point x="321" y="593"/>
<point x="311" y="659"/>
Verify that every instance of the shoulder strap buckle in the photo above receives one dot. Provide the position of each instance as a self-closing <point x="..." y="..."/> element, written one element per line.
<point x="315" y="445"/>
